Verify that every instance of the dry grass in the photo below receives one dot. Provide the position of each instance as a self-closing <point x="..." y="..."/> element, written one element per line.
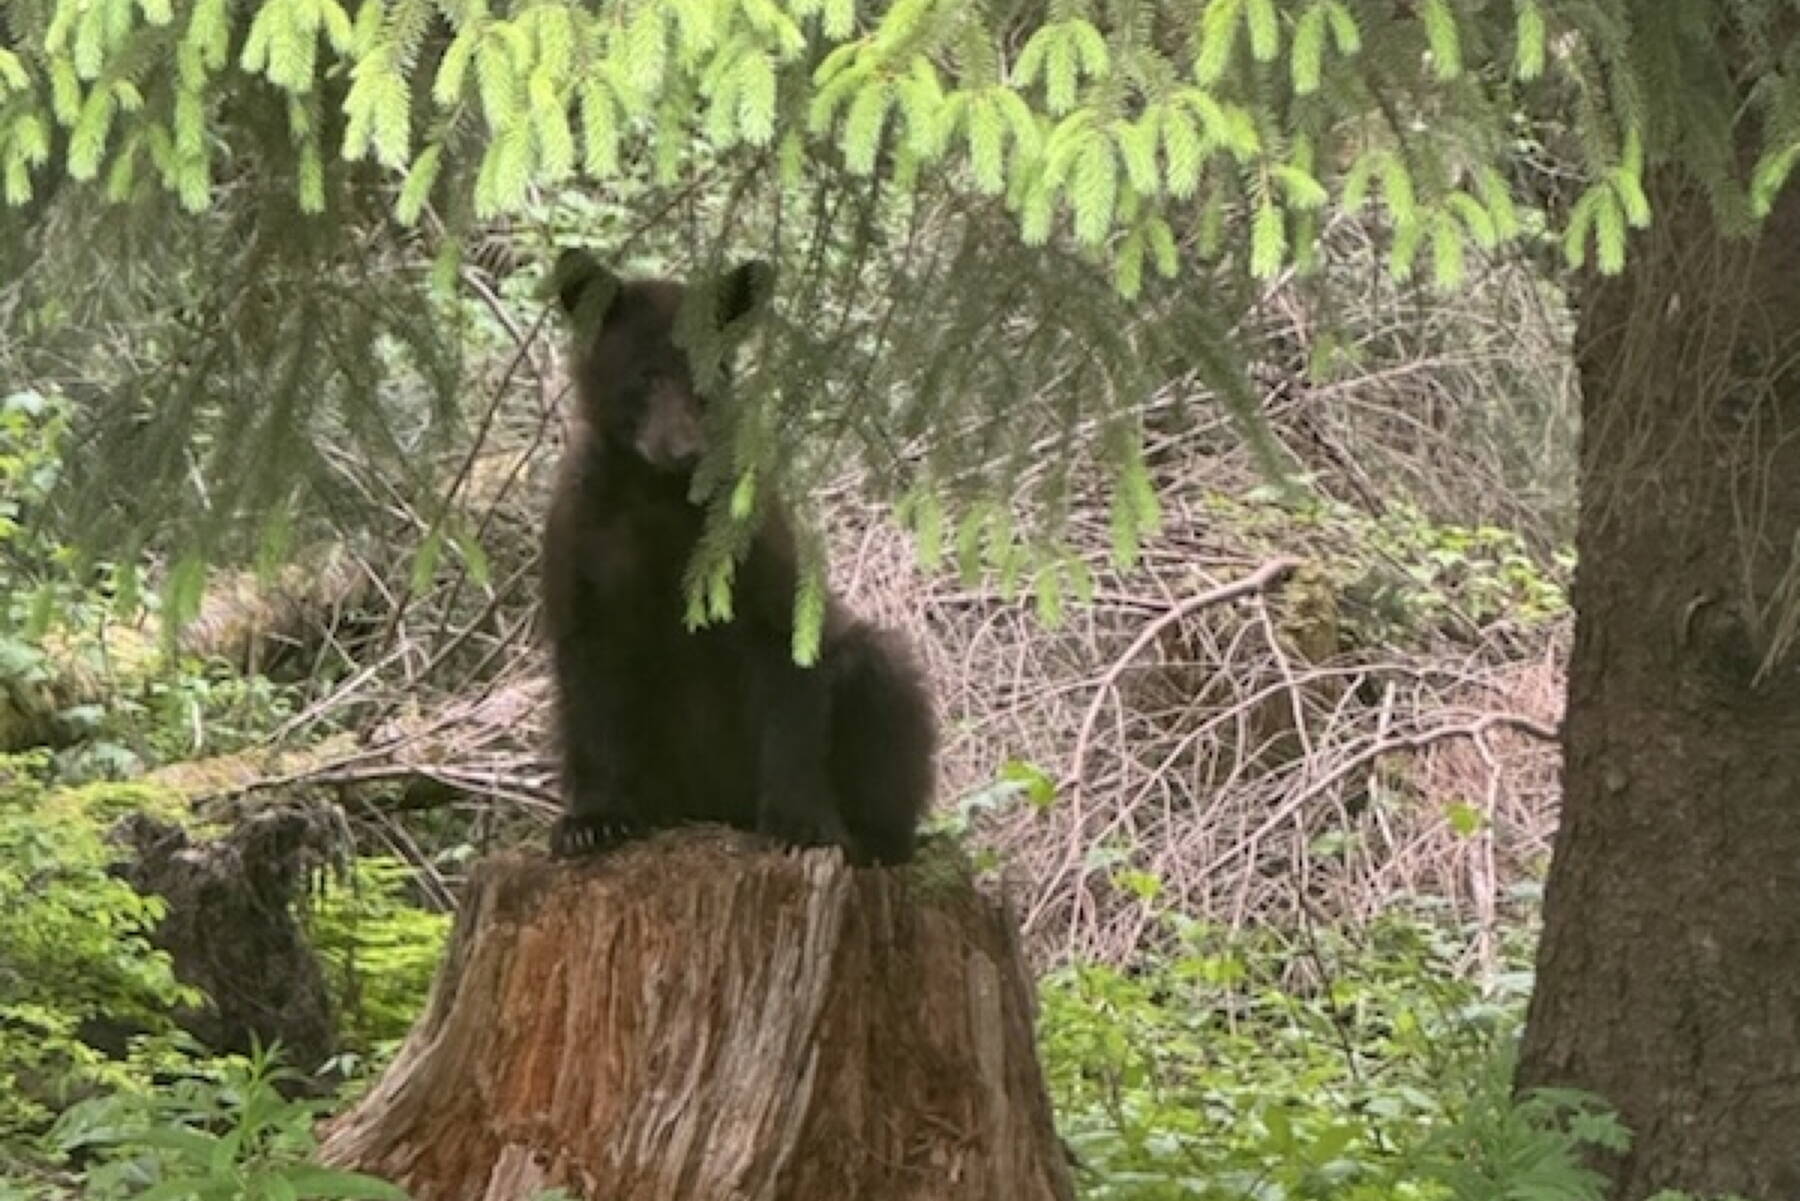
<point x="1247" y="779"/>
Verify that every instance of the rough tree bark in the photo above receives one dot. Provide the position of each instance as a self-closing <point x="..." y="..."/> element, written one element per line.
<point x="689" y="1018"/>
<point x="1669" y="974"/>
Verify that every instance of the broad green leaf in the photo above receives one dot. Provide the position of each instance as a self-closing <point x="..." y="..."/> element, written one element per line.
<point x="1465" y="819"/>
<point x="425" y="561"/>
<point x="474" y="556"/>
<point x="1039" y="788"/>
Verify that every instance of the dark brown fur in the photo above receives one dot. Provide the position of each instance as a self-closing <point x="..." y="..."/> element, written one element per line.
<point x="661" y="725"/>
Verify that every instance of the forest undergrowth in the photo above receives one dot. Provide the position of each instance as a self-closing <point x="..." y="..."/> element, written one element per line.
<point x="1275" y="846"/>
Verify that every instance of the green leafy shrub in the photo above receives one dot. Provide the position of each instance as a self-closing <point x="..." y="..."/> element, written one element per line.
<point x="1402" y="574"/>
<point x="1319" y="1068"/>
<point x="227" y="1132"/>
<point x="32" y="429"/>
<point x="1433" y="574"/>
<point x="76" y="965"/>
<point x="204" y="708"/>
<point x="53" y="619"/>
<point x="378" y="948"/>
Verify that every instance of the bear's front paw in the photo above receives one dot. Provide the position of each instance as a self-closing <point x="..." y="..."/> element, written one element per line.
<point x="804" y="827"/>
<point x="577" y="834"/>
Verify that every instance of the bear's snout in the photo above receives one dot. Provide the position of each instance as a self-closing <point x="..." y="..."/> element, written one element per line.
<point x="671" y="435"/>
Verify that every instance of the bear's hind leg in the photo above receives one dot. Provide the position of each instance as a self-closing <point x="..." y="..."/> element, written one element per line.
<point x="883" y="742"/>
<point x="792" y="709"/>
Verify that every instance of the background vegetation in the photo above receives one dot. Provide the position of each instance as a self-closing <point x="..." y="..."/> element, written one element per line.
<point x="1086" y="310"/>
<point x="1276" y="862"/>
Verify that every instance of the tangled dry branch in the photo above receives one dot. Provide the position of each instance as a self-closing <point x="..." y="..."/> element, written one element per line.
<point x="1193" y="746"/>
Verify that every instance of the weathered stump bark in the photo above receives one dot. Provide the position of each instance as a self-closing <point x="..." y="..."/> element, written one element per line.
<point x="689" y="1019"/>
<point x="231" y="931"/>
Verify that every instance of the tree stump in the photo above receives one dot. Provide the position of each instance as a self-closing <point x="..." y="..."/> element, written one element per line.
<point x="230" y="930"/>
<point x="692" y="1018"/>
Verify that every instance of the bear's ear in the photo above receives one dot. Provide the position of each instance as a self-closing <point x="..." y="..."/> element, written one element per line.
<point x="744" y="289"/>
<point x="583" y="287"/>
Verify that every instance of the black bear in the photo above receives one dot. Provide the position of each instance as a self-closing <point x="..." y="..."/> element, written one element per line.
<point x="662" y="725"/>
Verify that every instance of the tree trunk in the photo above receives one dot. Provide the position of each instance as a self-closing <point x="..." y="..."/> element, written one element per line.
<point x="1669" y="974"/>
<point x="687" y="1019"/>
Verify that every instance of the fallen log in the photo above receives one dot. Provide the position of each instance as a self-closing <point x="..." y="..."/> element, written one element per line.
<point x="696" y="1018"/>
<point x="245" y="620"/>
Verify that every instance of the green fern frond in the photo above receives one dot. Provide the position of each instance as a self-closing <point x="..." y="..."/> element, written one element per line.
<point x="1137" y="147"/>
<point x="420" y="179"/>
<point x="1265" y="29"/>
<point x="1530" y="41"/>
<point x="1128" y="264"/>
<point x="1307" y="54"/>
<point x="600" y="119"/>
<point x="1443" y="36"/>
<point x="1218" y="39"/>
<point x="1094" y="190"/>
<point x="1184" y="150"/>
<point x="1447" y="259"/>
<point x="1268" y="239"/>
<point x="860" y="138"/>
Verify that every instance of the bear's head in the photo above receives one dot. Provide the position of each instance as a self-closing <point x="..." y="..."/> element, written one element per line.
<point x="634" y="343"/>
